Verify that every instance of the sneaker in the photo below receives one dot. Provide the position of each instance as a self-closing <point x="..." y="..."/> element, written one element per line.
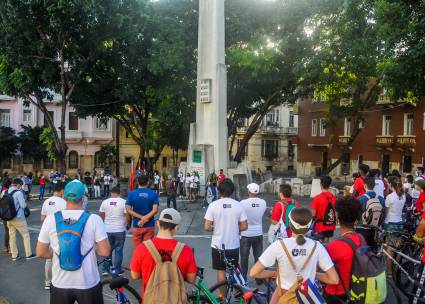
<point x="16" y="258"/>
<point x="47" y="286"/>
<point x="32" y="256"/>
<point x="105" y="273"/>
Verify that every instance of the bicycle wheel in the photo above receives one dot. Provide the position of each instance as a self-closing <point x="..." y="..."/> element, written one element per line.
<point x="215" y="290"/>
<point x="111" y="296"/>
<point x="203" y="300"/>
<point x="400" y="278"/>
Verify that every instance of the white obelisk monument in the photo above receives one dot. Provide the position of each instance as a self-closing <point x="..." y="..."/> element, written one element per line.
<point x="208" y="150"/>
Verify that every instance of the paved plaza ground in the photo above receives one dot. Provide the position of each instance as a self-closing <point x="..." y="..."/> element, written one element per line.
<point x="22" y="281"/>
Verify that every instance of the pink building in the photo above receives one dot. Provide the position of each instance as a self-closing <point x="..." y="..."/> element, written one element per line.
<point x="83" y="136"/>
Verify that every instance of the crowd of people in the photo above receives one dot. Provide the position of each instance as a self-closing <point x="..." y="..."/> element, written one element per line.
<point x="302" y="243"/>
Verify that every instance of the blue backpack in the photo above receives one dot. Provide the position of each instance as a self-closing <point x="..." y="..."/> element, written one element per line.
<point x="69" y="236"/>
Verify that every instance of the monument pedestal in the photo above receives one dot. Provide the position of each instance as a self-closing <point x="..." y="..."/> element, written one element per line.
<point x="201" y="160"/>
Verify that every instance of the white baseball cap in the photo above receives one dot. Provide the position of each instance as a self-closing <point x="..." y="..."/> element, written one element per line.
<point x="170" y="215"/>
<point x="253" y="188"/>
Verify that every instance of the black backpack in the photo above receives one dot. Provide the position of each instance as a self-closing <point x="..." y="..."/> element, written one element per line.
<point x="8" y="210"/>
<point x="329" y="218"/>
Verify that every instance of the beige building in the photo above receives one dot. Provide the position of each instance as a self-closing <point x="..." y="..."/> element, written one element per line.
<point x="129" y="151"/>
<point x="273" y="146"/>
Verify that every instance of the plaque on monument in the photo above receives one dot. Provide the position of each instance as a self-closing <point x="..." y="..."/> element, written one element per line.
<point x="197" y="157"/>
<point x="205" y="91"/>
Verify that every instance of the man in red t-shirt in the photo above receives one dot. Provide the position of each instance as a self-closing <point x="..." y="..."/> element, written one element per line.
<point x="348" y="211"/>
<point x="322" y="212"/>
<point x="142" y="264"/>
<point x="221" y="177"/>
<point x="285" y="193"/>
<point x="420" y="202"/>
<point x="358" y="187"/>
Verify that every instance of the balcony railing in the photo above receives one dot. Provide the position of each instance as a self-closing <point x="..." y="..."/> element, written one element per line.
<point x="343" y="140"/>
<point x="406" y="141"/>
<point x="384" y="140"/>
<point x="274" y="130"/>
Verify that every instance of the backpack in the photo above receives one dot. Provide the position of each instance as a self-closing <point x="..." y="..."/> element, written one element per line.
<point x="374" y="212"/>
<point x="329" y="218"/>
<point x="289" y="207"/>
<point x="368" y="283"/>
<point x="69" y="237"/>
<point x="303" y="291"/>
<point x="166" y="284"/>
<point x="8" y="209"/>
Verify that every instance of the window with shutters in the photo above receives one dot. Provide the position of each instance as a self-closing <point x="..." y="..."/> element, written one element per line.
<point x="73" y="121"/>
<point x="4" y="118"/>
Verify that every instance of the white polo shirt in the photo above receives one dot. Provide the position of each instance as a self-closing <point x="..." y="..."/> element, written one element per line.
<point x="254" y="208"/>
<point x="52" y="205"/>
<point x="114" y="209"/>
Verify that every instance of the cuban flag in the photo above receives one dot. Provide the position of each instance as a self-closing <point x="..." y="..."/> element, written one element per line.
<point x="309" y="294"/>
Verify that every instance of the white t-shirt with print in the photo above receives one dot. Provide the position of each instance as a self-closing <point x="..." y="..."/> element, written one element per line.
<point x="106" y="180"/>
<point x="254" y="209"/>
<point x="225" y="213"/>
<point x="379" y="188"/>
<point x="88" y="275"/>
<point x="114" y="209"/>
<point x="52" y="205"/>
<point x="156" y="179"/>
<point x="395" y="206"/>
<point x="299" y="255"/>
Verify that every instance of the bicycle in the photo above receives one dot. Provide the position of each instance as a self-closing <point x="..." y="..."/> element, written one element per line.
<point x="235" y="282"/>
<point x="116" y="290"/>
<point x="381" y="239"/>
<point x="203" y="295"/>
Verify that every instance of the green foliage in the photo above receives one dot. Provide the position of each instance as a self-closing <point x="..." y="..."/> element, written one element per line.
<point x="401" y="27"/>
<point x="8" y="142"/>
<point x="46" y="138"/>
<point x="107" y="154"/>
<point x="30" y="143"/>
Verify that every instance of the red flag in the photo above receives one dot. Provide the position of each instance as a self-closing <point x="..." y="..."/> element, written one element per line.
<point x="131" y="186"/>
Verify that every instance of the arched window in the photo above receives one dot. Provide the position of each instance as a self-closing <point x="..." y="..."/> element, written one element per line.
<point x="73" y="160"/>
<point x="97" y="161"/>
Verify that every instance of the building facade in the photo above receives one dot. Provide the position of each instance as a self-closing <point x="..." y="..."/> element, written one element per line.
<point x="392" y="137"/>
<point x="272" y="147"/>
<point x="84" y="137"/>
<point x="129" y="152"/>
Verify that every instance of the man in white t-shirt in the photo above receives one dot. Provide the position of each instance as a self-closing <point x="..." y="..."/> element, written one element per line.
<point x="226" y="218"/>
<point x="50" y="206"/>
<point x="253" y="237"/>
<point x="81" y="285"/>
<point x="113" y="213"/>
<point x="106" y="183"/>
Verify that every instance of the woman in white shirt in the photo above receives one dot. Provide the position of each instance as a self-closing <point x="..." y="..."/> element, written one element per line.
<point x="298" y="249"/>
<point x="394" y="204"/>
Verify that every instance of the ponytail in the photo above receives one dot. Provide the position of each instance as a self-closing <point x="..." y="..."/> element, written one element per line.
<point x="398" y="187"/>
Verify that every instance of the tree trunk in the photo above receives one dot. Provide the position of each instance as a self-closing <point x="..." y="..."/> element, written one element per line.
<point x="252" y="129"/>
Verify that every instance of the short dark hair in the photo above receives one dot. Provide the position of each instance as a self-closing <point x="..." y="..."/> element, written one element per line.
<point x="59" y="186"/>
<point x="226" y="187"/>
<point x="370" y="182"/>
<point x="410" y="178"/>
<point x="422" y="169"/>
<point x="116" y="190"/>
<point x="364" y="168"/>
<point x="143" y="180"/>
<point x="167" y="225"/>
<point x="286" y="190"/>
<point x="348" y="210"/>
<point x="17" y="181"/>
<point x="325" y="181"/>
<point x="356" y="175"/>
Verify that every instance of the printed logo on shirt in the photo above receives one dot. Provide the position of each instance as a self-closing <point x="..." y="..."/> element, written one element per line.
<point x="113" y="203"/>
<point x="145" y="195"/>
<point x="299" y="252"/>
<point x="51" y="203"/>
<point x="254" y="205"/>
<point x="227" y="205"/>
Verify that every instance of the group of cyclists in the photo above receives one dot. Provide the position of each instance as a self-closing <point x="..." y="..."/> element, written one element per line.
<point x="302" y="250"/>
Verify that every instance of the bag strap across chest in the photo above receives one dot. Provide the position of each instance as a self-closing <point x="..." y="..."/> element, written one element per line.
<point x="157" y="257"/>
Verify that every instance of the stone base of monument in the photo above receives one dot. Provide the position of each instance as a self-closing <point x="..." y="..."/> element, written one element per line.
<point x="241" y="176"/>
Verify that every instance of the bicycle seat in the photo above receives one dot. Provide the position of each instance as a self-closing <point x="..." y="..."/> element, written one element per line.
<point x="244" y="289"/>
<point x="118" y="282"/>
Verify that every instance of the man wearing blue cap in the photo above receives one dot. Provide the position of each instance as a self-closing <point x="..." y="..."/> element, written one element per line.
<point x="73" y="232"/>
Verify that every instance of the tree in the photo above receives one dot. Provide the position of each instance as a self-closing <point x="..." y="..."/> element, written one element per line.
<point x="44" y="46"/>
<point x="147" y="65"/>
<point x="264" y="68"/>
<point x="344" y="64"/>
<point x="8" y="143"/>
<point x="30" y="144"/>
<point x="107" y="154"/>
<point x="401" y="27"/>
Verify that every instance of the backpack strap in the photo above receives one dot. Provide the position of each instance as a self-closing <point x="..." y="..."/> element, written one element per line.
<point x="177" y="251"/>
<point x="153" y="251"/>
<point x="367" y="196"/>
<point x="291" y="262"/>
